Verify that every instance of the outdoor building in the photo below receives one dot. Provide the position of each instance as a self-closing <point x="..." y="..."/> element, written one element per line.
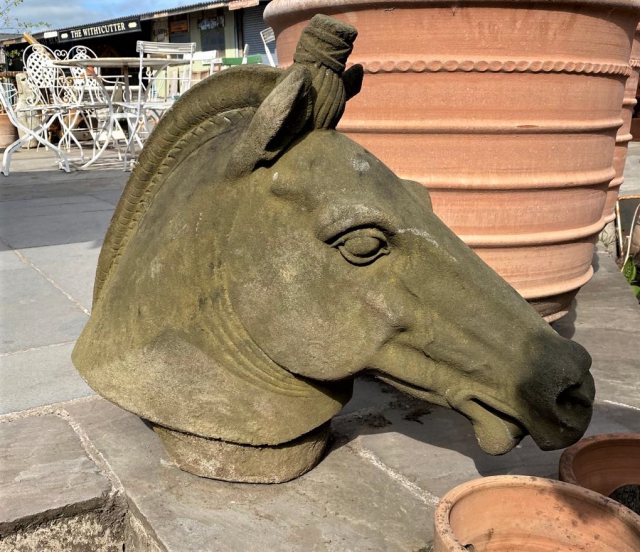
<point x="225" y="26"/>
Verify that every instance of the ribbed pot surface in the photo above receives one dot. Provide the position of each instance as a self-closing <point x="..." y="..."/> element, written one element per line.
<point x="624" y="136"/>
<point x="507" y="111"/>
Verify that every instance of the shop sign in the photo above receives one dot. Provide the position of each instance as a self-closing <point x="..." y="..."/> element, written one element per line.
<point x="94" y="31"/>
<point x="239" y="4"/>
<point x="179" y="26"/>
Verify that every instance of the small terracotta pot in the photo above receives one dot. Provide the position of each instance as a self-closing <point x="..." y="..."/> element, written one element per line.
<point x="527" y="514"/>
<point x="603" y="463"/>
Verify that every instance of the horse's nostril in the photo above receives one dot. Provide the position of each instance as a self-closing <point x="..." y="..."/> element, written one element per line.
<point x="578" y="394"/>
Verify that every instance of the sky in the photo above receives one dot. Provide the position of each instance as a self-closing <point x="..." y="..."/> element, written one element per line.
<point x="69" y="13"/>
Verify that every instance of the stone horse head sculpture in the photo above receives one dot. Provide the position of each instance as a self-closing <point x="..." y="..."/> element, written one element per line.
<point x="258" y="260"/>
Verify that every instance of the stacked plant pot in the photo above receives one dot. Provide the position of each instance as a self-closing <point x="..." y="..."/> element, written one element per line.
<point x="623" y="137"/>
<point x="506" y="110"/>
<point x="608" y="464"/>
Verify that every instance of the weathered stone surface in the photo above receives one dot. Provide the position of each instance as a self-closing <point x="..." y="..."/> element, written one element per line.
<point x="258" y="260"/>
<point x="87" y="532"/>
<point x="137" y="538"/>
<point x="346" y="503"/>
<point x="245" y="463"/>
<point x="45" y="474"/>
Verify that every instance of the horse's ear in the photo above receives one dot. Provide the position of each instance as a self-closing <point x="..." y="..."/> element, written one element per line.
<point x="352" y="79"/>
<point x="419" y="192"/>
<point x="276" y="122"/>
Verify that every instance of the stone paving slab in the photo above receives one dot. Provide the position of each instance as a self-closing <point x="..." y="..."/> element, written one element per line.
<point x="346" y="503"/>
<point x="58" y="228"/>
<point x="111" y="196"/>
<point x="631" y="184"/>
<point x="30" y="183"/>
<point x="438" y="450"/>
<point x="45" y="473"/>
<point x="71" y="266"/>
<point x="39" y="377"/>
<point x="605" y="319"/>
<point x="8" y="259"/>
<point x="34" y="312"/>
<point x="43" y="206"/>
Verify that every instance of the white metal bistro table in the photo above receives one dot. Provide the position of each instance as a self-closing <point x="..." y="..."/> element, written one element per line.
<point x="123" y="64"/>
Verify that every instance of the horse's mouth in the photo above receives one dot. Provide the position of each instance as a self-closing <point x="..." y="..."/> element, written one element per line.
<point x="497" y="431"/>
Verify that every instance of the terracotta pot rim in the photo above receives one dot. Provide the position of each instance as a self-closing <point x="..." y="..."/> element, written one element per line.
<point x="284" y="7"/>
<point x="450" y="499"/>
<point x="567" y="459"/>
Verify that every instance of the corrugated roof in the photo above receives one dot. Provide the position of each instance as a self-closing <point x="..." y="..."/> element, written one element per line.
<point x="150" y="15"/>
<point x="14" y="39"/>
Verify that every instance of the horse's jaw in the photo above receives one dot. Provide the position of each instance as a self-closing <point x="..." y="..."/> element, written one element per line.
<point x="496" y="431"/>
<point x="502" y="415"/>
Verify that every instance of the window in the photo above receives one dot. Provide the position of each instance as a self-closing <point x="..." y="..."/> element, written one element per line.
<point x="179" y="29"/>
<point x="211" y="26"/>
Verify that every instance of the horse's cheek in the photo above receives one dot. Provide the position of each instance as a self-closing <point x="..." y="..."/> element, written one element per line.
<point x="309" y="311"/>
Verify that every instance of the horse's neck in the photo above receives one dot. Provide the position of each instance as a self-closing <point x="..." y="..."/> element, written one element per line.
<point x="212" y="381"/>
<point x="236" y="351"/>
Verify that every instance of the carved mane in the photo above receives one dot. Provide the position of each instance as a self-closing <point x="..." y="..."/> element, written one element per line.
<point x="213" y="106"/>
<point x="210" y="107"/>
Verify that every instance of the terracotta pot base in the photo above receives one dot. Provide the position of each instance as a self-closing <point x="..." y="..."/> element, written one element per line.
<point x="530" y="514"/>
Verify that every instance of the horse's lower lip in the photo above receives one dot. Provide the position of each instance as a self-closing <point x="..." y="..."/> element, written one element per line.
<point x="496" y="431"/>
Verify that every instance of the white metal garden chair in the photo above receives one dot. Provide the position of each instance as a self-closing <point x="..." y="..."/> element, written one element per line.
<point x="55" y="95"/>
<point x="159" y="87"/>
<point x="73" y="96"/>
<point x="268" y="37"/>
<point x="38" y="132"/>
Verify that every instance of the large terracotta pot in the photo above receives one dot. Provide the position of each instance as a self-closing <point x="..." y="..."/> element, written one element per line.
<point x="506" y="110"/>
<point x="603" y="463"/>
<point x="624" y="135"/>
<point x="8" y="133"/>
<point x="530" y="514"/>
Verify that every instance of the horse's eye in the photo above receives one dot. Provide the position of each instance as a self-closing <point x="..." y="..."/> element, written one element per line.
<point x="362" y="246"/>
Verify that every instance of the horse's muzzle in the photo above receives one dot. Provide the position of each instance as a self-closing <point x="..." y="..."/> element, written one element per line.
<point x="560" y="398"/>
